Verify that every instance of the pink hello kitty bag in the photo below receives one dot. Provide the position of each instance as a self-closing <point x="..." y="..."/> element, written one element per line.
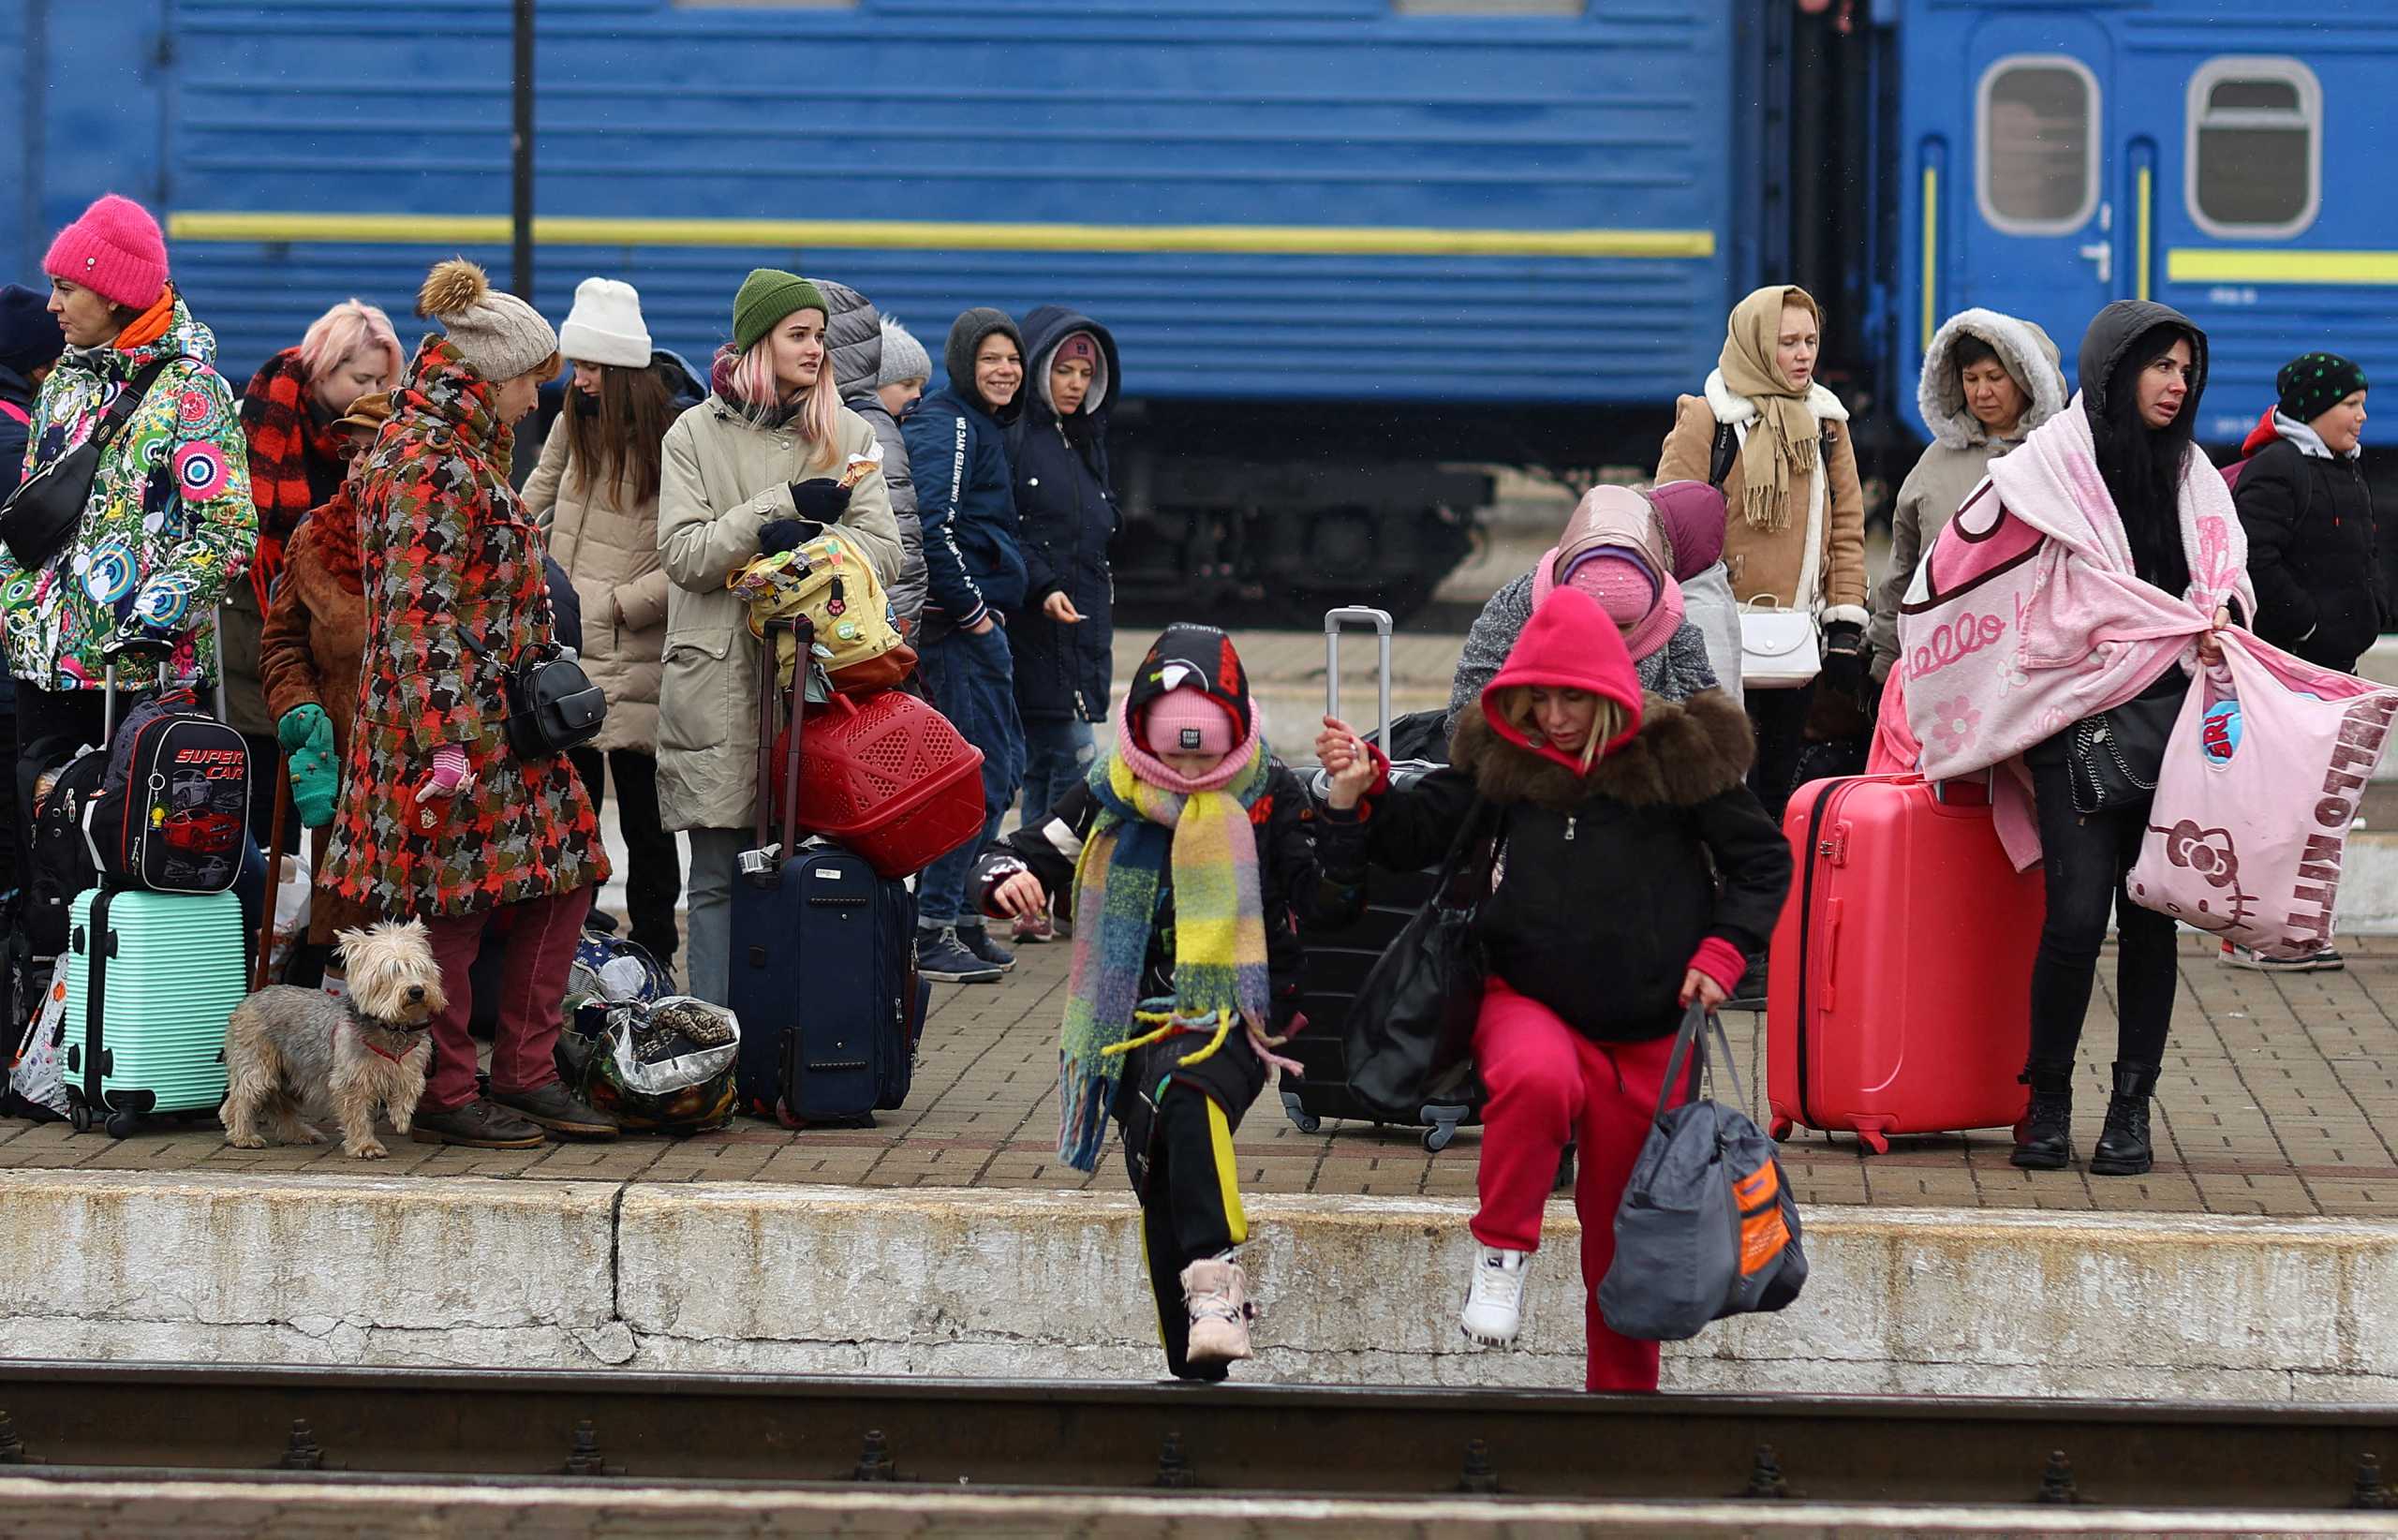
<point x="2260" y="786"/>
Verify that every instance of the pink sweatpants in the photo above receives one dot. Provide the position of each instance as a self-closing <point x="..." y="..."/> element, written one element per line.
<point x="541" y="937"/>
<point x="1548" y="1083"/>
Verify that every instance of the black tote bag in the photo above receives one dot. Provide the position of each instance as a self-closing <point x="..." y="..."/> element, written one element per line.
<point x="42" y="515"/>
<point x="1409" y="1035"/>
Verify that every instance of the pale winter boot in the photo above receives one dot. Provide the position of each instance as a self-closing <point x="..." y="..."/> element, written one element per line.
<point x="1494" y="1302"/>
<point x="1216" y="1293"/>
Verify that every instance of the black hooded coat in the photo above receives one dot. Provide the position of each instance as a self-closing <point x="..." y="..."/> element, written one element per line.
<point x="1066" y="515"/>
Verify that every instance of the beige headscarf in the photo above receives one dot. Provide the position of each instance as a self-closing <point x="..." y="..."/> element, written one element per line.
<point x="1781" y="444"/>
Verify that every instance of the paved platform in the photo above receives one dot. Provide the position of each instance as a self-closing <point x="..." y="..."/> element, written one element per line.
<point x="2280" y="1098"/>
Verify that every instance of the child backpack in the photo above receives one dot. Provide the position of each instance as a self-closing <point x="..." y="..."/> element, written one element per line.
<point x="173" y="811"/>
<point x="829" y="580"/>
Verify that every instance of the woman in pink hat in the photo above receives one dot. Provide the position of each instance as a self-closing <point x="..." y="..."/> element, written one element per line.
<point x="1619" y="551"/>
<point x="167" y="521"/>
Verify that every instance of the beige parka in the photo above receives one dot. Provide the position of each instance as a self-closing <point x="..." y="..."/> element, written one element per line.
<point x="725" y="478"/>
<point x="608" y="547"/>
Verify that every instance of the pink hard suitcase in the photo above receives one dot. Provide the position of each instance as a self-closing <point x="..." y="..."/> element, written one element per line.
<point x="1897" y="1000"/>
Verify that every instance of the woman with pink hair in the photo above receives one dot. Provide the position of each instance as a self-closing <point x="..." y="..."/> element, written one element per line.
<point x="298" y="456"/>
<point x="747" y="470"/>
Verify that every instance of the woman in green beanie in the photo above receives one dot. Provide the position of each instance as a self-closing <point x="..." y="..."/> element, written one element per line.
<point x="765" y="451"/>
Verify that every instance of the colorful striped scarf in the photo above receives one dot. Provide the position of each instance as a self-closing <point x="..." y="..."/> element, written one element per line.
<point x="1146" y="833"/>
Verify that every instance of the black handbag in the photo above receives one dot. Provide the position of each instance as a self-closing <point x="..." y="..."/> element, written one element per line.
<point x="2114" y="759"/>
<point x="1408" y="1033"/>
<point x="42" y="515"/>
<point x="551" y="704"/>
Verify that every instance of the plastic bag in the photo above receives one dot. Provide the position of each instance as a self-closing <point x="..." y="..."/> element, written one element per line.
<point x="35" y="1075"/>
<point x="291" y="905"/>
<point x="663" y="1065"/>
<point x="2247" y="832"/>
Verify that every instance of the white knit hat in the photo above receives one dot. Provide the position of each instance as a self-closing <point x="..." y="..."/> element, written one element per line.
<point x="606" y="325"/>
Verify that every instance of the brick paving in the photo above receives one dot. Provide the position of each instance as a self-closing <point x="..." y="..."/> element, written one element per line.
<point x="2280" y="1097"/>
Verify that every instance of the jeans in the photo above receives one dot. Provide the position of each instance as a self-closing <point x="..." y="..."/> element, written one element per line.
<point x="971" y="681"/>
<point x="532" y="991"/>
<point x="2084" y="859"/>
<point x="655" y="877"/>
<point x="1779" y="717"/>
<point x="1058" y="751"/>
<point x="1547" y="1085"/>
<point x="708" y="965"/>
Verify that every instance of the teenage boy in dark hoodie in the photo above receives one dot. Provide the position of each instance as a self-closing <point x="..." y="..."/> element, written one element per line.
<point x="1187" y="858"/>
<point x="973" y="576"/>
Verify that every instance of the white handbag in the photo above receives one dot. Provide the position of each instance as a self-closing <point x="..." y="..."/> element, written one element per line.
<point x="1778" y="648"/>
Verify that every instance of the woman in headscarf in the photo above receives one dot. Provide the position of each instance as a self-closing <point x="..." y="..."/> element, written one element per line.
<point x="1795" y="526"/>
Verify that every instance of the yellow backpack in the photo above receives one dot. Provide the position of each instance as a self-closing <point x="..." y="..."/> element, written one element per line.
<point x="829" y="580"/>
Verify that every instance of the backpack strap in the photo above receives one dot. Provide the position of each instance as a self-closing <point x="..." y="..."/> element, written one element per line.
<point x="16" y="414"/>
<point x="1719" y="460"/>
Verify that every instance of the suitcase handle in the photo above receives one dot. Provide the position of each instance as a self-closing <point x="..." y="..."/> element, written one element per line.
<point x="1834" y="910"/>
<point x="1333" y="622"/>
<point x="108" y="681"/>
<point x="803" y="631"/>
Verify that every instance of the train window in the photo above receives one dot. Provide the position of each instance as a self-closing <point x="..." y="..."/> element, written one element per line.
<point x="1490" y="7"/>
<point x="2255" y="146"/>
<point x="2036" y="156"/>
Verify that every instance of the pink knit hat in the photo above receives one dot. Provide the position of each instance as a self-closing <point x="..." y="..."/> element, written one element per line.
<point x="115" y="250"/>
<point x="1646" y="606"/>
<point x="1186" y="720"/>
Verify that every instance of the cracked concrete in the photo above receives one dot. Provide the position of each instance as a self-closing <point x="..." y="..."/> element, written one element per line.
<point x="929" y="1282"/>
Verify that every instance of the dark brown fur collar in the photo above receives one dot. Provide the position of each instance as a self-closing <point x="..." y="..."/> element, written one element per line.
<point x="1686" y="753"/>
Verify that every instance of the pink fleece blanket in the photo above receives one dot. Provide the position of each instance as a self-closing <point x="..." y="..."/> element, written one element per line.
<point x="2027" y="616"/>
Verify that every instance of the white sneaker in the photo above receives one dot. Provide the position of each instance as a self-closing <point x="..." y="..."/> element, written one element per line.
<point x="1494" y="1305"/>
<point x="2326" y="961"/>
<point x="1216" y="1293"/>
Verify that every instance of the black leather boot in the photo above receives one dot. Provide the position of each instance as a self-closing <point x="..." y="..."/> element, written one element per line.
<point x="2044" y="1140"/>
<point x="2123" y="1146"/>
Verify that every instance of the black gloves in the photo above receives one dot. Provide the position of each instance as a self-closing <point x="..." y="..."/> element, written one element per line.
<point x="778" y="535"/>
<point x="819" y="499"/>
<point x="1845" y="658"/>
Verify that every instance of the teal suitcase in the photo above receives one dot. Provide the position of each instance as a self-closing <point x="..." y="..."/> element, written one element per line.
<point x="152" y="978"/>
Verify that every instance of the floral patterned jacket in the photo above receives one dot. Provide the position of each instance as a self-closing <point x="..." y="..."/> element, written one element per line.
<point x="168" y="523"/>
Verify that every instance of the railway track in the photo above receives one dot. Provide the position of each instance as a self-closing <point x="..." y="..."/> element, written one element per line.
<point x="461" y="1426"/>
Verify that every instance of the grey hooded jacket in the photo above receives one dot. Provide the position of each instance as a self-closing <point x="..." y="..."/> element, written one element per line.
<point x="853" y="331"/>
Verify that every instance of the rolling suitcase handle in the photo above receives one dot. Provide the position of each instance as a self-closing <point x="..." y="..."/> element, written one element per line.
<point x="762" y="864"/>
<point x="108" y="683"/>
<point x="1333" y="621"/>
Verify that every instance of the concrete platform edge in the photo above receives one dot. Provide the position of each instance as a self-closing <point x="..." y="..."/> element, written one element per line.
<point x="751" y="1277"/>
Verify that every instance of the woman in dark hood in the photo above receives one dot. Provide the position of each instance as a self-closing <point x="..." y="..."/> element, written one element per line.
<point x="1066" y="515"/>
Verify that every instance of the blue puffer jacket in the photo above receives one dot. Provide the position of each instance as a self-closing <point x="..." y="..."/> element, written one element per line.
<point x="957" y="452"/>
<point x="1065" y="516"/>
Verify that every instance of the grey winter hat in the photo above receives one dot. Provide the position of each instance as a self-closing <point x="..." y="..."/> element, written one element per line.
<point x="496" y="333"/>
<point x="903" y="357"/>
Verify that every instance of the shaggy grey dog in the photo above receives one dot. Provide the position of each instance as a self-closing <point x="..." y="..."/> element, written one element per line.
<point x="293" y="1053"/>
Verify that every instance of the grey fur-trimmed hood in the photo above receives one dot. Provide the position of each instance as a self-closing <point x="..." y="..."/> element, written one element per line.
<point x="2022" y="347"/>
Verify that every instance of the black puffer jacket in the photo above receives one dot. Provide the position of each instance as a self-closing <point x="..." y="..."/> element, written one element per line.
<point x="853" y="331"/>
<point x="1066" y="515"/>
<point x="2310" y="548"/>
<point x="1601" y="887"/>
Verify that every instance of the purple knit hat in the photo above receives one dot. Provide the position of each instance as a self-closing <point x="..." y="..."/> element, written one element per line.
<point x="1693" y="516"/>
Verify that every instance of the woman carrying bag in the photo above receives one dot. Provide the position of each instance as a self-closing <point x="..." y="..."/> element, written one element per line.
<point x="1795" y="527"/>
<point x="2052" y="635"/>
<point x="1621" y="869"/>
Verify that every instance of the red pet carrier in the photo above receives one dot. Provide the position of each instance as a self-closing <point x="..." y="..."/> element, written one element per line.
<point x="887" y="776"/>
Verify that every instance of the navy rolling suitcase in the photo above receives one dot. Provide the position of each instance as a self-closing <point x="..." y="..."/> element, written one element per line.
<point x="822" y="973"/>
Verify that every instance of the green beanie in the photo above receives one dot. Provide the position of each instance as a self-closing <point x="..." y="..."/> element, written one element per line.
<point x="767" y="295"/>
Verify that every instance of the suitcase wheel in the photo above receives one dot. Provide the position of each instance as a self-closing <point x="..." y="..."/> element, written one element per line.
<point x="1781" y="1129"/>
<point x="78" y="1114"/>
<point x="122" y="1125"/>
<point x="1873" y="1141"/>
<point x="1437" y="1137"/>
<point x="1301" y="1118"/>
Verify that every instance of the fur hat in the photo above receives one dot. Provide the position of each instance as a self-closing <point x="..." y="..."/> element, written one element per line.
<point x="903" y="357"/>
<point x="498" y="334"/>
<point x="29" y="334"/>
<point x="2315" y="383"/>
<point x="115" y="250"/>
<point x="606" y="325"/>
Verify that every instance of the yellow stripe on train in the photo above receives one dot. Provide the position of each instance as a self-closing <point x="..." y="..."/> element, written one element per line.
<point x="2235" y="265"/>
<point x="938" y="235"/>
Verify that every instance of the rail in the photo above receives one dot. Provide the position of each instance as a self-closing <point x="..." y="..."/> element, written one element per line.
<point x="65" y="1420"/>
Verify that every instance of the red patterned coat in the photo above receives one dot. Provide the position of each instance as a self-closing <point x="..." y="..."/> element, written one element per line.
<point x="446" y="547"/>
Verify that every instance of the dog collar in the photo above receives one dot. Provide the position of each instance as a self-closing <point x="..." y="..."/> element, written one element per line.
<point x="372" y="1046"/>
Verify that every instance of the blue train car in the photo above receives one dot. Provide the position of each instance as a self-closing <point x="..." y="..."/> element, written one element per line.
<point x="2224" y="157"/>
